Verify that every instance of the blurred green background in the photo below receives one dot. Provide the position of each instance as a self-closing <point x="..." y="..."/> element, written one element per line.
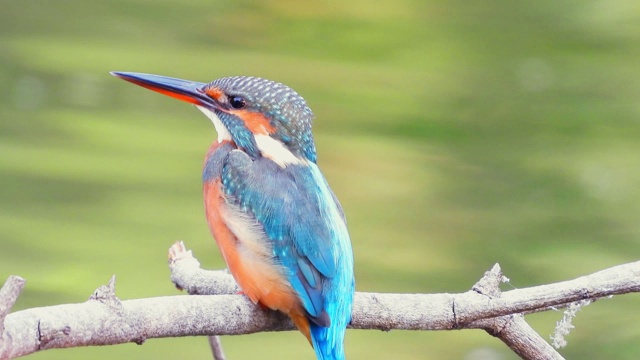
<point x="457" y="134"/>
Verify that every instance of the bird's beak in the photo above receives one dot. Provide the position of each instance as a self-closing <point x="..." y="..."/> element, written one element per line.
<point x="189" y="91"/>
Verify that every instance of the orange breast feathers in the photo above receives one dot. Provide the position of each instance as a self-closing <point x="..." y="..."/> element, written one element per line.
<point x="249" y="257"/>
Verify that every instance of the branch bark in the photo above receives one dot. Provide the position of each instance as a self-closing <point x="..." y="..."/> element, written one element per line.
<point x="8" y="296"/>
<point x="106" y="320"/>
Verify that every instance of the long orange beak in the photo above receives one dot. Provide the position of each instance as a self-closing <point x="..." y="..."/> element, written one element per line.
<point x="189" y="91"/>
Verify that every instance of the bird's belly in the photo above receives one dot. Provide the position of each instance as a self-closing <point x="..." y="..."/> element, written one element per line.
<point x="249" y="259"/>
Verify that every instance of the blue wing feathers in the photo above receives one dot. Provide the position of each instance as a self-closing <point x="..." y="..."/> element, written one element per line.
<point x="310" y="274"/>
<point x="278" y="198"/>
<point x="305" y="223"/>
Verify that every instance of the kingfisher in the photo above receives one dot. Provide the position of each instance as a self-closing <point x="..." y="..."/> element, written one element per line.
<point x="277" y="223"/>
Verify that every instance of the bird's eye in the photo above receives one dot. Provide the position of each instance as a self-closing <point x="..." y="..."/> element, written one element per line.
<point x="237" y="102"/>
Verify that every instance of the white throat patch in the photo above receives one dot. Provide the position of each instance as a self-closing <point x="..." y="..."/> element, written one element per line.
<point x="223" y="133"/>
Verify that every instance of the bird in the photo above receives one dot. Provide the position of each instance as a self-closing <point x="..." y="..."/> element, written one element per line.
<point x="278" y="225"/>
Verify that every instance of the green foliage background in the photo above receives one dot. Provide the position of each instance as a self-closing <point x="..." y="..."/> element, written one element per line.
<point x="457" y="134"/>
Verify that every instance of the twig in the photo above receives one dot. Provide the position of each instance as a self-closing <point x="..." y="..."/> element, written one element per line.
<point x="187" y="275"/>
<point x="191" y="269"/>
<point x="9" y="295"/>
<point x="216" y="347"/>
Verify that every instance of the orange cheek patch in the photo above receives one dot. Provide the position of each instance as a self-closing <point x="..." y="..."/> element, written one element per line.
<point x="255" y="122"/>
<point x="215" y="93"/>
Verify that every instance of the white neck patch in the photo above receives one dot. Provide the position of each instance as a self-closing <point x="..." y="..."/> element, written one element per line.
<point x="276" y="151"/>
<point x="223" y="133"/>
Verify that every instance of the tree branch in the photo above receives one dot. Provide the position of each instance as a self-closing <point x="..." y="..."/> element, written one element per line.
<point x="385" y="311"/>
<point x="513" y="330"/>
<point x="106" y="320"/>
<point x="8" y="296"/>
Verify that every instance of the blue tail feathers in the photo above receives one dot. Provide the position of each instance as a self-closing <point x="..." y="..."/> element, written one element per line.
<point x="327" y="342"/>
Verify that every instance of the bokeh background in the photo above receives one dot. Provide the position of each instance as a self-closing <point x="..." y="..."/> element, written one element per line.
<point x="457" y="134"/>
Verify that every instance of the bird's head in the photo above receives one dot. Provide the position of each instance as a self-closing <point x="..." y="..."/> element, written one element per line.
<point x="262" y="117"/>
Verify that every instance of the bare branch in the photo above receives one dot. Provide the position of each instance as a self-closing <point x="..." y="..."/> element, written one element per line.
<point x="8" y="295"/>
<point x="431" y="312"/>
<point x="106" y="320"/>
<point x="449" y="311"/>
<point x="513" y="330"/>
<point x="187" y="275"/>
<point x="115" y="322"/>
